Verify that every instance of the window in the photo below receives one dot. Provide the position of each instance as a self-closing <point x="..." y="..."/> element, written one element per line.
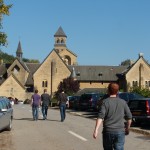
<point x="134" y="83"/>
<point x="58" y="41"/>
<point x="44" y="83"/>
<point x="147" y="84"/>
<point x="16" y="69"/>
<point x="62" y="41"/>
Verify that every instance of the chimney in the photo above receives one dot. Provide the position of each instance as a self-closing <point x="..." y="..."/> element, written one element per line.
<point x="140" y="55"/>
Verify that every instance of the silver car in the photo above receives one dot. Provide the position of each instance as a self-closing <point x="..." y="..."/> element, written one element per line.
<point x="6" y="114"/>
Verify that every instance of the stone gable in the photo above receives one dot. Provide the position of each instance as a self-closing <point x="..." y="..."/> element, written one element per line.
<point x="53" y="70"/>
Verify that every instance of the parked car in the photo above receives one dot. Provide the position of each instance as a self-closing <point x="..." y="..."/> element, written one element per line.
<point x="70" y="101"/>
<point x="89" y="101"/>
<point x="127" y="96"/>
<point x="76" y="102"/>
<point x="140" y="109"/>
<point x="73" y="101"/>
<point x="6" y="114"/>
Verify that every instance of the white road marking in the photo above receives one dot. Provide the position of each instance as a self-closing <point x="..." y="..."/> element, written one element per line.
<point x="78" y="136"/>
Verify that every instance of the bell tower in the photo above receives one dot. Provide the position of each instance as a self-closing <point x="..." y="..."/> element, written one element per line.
<point x="60" y="39"/>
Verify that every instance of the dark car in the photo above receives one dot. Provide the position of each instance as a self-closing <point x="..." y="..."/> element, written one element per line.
<point x="140" y="109"/>
<point x="70" y="101"/>
<point x="76" y="102"/>
<point x="89" y="101"/>
<point x="127" y="96"/>
<point x="6" y="114"/>
<point x="73" y="101"/>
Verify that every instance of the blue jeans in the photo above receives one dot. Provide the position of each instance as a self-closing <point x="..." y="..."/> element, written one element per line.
<point x="35" y="112"/>
<point x="44" y="111"/>
<point x="62" y="111"/>
<point x="113" y="140"/>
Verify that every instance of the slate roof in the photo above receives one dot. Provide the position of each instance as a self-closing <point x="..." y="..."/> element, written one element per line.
<point x="60" y="33"/>
<point x="98" y="73"/>
<point x="71" y="52"/>
<point x="3" y="72"/>
<point x="32" y="67"/>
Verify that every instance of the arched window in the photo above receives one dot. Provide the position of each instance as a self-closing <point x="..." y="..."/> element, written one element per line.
<point x="62" y="41"/>
<point x="58" y="41"/>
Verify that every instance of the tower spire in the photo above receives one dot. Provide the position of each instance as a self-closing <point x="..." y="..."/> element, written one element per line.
<point x="19" y="52"/>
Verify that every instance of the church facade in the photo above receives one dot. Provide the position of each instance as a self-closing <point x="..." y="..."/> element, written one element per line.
<point x="20" y="79"/>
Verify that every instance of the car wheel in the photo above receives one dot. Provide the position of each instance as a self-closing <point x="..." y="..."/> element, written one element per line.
<point x="10" y="125"/>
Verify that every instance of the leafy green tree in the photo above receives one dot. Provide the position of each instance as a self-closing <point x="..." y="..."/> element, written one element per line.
<point x="31" y="60"/>
<point x="69" y="85"/>
<point x="6" y="58"/>
<point x="142" y="91"/>
<point x="127" y="62"/>
<point x="4" y="10"/>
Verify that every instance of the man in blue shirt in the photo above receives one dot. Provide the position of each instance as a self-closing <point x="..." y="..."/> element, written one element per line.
<point x="35" y="103"/>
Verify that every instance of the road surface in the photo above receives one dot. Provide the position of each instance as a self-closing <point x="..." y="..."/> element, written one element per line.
<point x="75" y="133"/>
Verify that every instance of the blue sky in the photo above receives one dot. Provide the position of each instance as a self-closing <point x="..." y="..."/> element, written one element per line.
<point x="100" y="32"/>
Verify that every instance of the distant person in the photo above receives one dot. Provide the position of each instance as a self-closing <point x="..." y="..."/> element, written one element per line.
<point x="62" y="100"/>
<point x="35" y="103"/>
<point x="45" y="100"/>
<point x="113" y="113"/>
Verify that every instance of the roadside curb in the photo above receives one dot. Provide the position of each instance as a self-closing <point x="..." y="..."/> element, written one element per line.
<point x="141" y="131"/>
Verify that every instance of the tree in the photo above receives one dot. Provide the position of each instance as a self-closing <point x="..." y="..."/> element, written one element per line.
<point x="127" y="62"/>
<point x="69" y="85"/>
<point x="4" y="10"/>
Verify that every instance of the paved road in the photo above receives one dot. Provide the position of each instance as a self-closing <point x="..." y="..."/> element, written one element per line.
<point x="73" y="134"/>
<point x="142" y="129"/>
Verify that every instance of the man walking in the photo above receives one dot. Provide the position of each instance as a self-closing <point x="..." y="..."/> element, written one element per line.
<point x="45" y="100"/>
<point x="35" y="103"/>
<point x="112" y="113"/>
<point x="62" y="100"/>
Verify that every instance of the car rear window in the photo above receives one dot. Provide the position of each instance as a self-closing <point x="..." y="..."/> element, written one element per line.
<point x="137" y="105"/>
<point x="86" y="96"/>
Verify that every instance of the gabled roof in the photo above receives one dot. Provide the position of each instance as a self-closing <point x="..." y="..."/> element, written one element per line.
<point x="49" y="55"/>
<point x="130" y="67"/>
<point x="15" y="80"/>
<point x="60" y="33"/>
<point x="23" y="64"/>
<point x="98" y="73"/>
<point x="71" y="52"/>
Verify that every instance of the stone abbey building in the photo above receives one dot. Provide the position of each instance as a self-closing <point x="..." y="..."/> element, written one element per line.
<point x="20" y="79"/>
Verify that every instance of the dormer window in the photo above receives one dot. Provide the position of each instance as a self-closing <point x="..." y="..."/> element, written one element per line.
<point x="78" y="74"/>
<point x="16" y="69"/>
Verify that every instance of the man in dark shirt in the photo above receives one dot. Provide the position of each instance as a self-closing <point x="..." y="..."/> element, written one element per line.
<point x="35" y="103"/>
<point x="62" y="100"/>
<point x="112" y="113"/>
<point x="45" y="99"/>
